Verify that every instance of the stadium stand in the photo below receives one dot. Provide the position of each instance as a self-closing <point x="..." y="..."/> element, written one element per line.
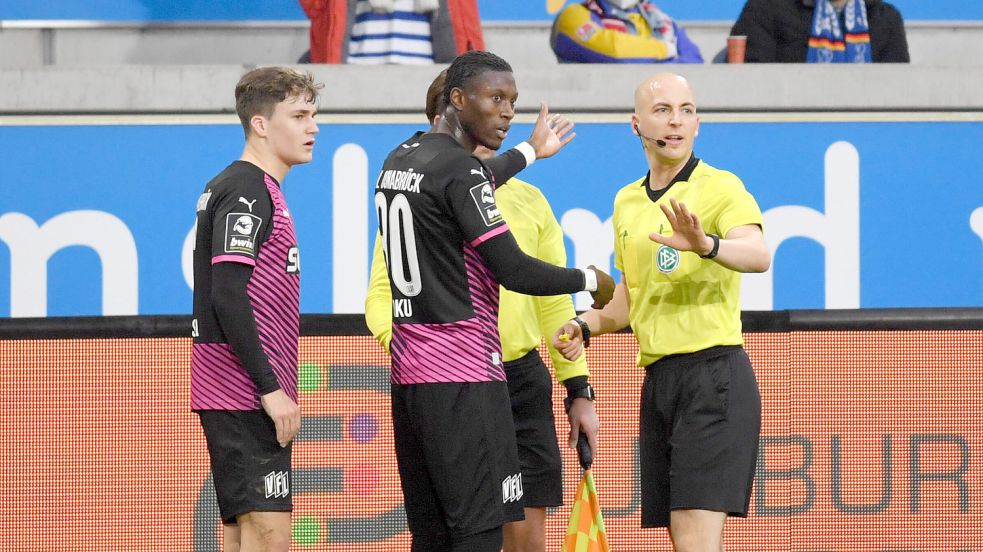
<point x="28" y="43"/>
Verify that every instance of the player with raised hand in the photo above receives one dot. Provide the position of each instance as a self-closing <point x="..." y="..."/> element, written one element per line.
<point x="447" y="248"/>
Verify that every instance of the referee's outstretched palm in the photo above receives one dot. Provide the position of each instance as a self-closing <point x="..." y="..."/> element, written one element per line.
<point x="687" y="232"/>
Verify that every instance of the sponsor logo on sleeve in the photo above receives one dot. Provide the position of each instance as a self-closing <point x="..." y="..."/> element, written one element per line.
<point x="240" y="232"/>
<point x="484" y="200"/>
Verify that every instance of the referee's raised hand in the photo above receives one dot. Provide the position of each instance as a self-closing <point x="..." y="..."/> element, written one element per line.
<point x="285" y="414"/>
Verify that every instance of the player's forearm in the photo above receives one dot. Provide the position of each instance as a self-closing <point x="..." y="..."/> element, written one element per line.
<point x="744" y="252"/>
<point x="528" y="275"/>
<point x="614" y="315"/>
<point x="505" y="166"/>
<point x="238" y="323"/>
<point x="554" y="311"/>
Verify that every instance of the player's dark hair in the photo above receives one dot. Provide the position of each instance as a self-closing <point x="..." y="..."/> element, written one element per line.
<point x="261" y="89"/>
<point x="435" y="96"/>
<point x="468" y="66"/>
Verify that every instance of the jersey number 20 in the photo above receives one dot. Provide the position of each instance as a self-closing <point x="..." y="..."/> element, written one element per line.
<point x="398" y="237"/>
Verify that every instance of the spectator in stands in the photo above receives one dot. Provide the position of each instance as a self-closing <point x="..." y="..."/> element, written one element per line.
<point x="419" y="32"/>
<point x="620" y="31"/>
<point x="822" y="31"/>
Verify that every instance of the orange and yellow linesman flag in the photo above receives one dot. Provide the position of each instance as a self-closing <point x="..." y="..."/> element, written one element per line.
<point x="585" y="533"/>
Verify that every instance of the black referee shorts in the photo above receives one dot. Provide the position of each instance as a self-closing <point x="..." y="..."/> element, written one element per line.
<point x="698" y="434"/>
<point x="250" y="468"/>
<point x="458" y="467"/>
<point x="531" y="391"/>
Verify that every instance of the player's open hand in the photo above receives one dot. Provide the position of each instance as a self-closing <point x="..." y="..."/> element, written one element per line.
<point x="687" y="232"/>
<point x="569" y="341"/>
<point x="605" y="288"/>
<point x="285" y="414"/>
<point x="551" y="133"/>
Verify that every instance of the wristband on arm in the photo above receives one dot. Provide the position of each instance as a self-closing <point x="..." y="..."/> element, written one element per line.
<point x="584" y="330"/>
<point x="714" y="249"/>
<point x="586" y="392"/>
<point x="590" y="280"/>
<point x="529" y="152"/>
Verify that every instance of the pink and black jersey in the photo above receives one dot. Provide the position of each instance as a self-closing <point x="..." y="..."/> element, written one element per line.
<point x="436" y="205"/>
<point x="242" y="217"/>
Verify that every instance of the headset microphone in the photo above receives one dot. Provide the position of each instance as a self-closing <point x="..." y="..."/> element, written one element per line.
<point x="660" y="143"/>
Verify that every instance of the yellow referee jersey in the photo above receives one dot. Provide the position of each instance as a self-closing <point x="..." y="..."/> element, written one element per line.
<point x="679" y="302"/>
<point x="523" y="320"/>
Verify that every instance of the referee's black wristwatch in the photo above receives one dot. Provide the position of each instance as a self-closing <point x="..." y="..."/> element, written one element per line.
<point x="584" y="330"/>
<point x="586" y="392"/>
<point x="713" y="250"/>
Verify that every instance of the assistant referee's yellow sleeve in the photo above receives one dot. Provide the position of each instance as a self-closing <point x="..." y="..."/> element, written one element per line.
<point x="525" y="320"/>
<point x="555" y="310"/>
<point x="378" y="300"/>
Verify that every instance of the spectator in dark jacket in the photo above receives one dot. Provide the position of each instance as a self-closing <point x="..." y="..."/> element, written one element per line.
<point x="781" y="31"/>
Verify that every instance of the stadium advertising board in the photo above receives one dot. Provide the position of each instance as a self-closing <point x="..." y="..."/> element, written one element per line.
<point x="100" y="220"/>
<point x="870" y="441"/>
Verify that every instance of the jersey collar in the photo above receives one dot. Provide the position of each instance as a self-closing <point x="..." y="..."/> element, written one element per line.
<point x="682" y="176"/>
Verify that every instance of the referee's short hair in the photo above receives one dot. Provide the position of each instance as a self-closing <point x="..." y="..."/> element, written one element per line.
<point x="468" y="66"/>
<point x="261" y="89"/>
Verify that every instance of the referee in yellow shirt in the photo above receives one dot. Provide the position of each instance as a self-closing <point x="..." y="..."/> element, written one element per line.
<point x="683" y="234"/>
<point x="523" y="322"/>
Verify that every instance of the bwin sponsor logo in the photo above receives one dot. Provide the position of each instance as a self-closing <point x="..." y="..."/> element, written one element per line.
<point x="487" y="195"/>
<point x="277" y="484"/>
<point x="243" y="225"/>
<point x="512" y="488"/>
<point x="241" y="242"/>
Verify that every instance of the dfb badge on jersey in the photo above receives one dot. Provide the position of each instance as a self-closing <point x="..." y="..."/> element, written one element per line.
<point x="240" y="233"/>
<point x="484" y="199"/>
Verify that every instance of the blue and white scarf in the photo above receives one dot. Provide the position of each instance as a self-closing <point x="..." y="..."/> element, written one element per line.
<point x="828" y="43"/>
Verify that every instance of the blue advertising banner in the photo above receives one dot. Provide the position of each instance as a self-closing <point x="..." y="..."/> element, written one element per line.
<point x="98" y="218"/>
<point x="491" y="10"/>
